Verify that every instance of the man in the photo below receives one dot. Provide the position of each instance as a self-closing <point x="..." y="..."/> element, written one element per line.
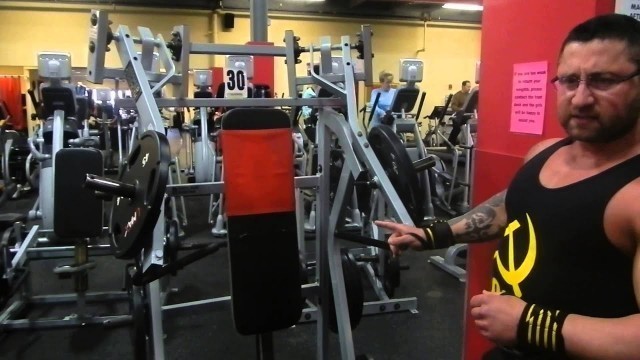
<point x="458" y="99"/>
<point x="570" y="219"/>
<point x="381" y="112"/>
<point x="457" y="103"/>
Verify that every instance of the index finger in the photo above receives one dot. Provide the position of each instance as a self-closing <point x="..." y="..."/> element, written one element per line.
<point x="389" y="225"/>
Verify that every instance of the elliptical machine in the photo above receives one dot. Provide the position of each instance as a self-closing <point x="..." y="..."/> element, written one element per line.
<point x="452" y="192"/>
<point x="59" y="114"/>
<point x="203" y="154"/>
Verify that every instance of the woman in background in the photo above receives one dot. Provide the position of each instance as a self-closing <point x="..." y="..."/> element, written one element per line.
<point x="386" y="97"/>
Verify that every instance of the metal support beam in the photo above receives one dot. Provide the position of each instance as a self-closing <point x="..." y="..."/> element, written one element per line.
<point x="259" y="20"/>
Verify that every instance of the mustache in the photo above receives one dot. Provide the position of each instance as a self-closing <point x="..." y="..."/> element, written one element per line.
<point x="584" y="115"/>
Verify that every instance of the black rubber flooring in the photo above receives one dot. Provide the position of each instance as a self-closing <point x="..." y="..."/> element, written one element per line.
<point x="434" y="332"/>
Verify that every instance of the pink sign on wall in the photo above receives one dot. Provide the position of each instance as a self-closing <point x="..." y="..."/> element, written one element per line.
<point x="529" y="97"/>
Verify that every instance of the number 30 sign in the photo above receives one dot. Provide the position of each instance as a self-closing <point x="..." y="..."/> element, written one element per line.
<point x="235" y="83"/>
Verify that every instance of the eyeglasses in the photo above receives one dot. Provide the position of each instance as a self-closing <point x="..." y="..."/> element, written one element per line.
<point x="597" y="81"/>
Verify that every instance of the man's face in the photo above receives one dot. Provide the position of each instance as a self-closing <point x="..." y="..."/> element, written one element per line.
<point x="590" y="112"/>
<point x="466" y="88"/>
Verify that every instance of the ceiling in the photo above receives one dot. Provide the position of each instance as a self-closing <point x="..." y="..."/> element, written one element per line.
<point x="384" y="9"/>
<point x="373" y="9"/>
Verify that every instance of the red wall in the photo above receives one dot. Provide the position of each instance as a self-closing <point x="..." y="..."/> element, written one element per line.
<point x="513" y="31"/>
<point x="217" y="78"/>
<point x="263" y="72"/>
<point x="11" y="94"/>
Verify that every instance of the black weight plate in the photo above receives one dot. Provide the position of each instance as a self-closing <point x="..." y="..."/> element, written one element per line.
<point x="355" y="293"/>
<point x="133" y="220"/>
<point x="399" y="168"/>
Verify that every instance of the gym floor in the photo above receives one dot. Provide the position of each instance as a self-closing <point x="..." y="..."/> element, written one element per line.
<point x="434" y="332"/>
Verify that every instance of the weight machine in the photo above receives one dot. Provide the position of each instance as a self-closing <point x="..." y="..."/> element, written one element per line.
<point x="79" y="224"/>
<point x="138" y="231"/>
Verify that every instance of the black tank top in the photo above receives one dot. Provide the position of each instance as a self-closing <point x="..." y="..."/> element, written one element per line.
<point x="555" y="253"/>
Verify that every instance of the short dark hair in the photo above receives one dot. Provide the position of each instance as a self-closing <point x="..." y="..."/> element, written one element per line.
<point x="608" y="27"/>
<point x="465" y="83"/>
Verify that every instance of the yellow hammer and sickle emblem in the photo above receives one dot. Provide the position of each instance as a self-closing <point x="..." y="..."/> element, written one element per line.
<point x="514" y="276"/>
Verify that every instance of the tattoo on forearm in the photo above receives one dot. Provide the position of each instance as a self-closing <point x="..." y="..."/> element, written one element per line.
<point x="484" y="222"/>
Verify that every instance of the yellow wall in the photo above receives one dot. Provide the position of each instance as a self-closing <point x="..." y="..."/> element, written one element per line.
<point x="449" y="52"/>
<point x="29" y="29"/>
<point x="67" y="30"/>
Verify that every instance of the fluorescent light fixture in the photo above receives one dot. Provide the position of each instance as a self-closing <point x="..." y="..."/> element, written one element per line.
<point x="467" y="7"/>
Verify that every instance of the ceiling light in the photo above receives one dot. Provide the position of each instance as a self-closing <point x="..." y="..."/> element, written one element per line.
<point x="467" y="7"/>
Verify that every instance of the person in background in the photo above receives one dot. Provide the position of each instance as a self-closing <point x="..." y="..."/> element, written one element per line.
<point x="309" y="93"/>
<point x="566" y="272"/>
<point x="459" y="98"/>
<point x="387" y="93"/>
<point x="457" y="103"/>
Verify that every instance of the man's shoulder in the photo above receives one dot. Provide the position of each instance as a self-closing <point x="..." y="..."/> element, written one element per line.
<point x="539" y="147"/>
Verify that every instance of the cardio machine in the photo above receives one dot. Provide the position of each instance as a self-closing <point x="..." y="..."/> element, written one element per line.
<point x="59" y="113"/>
<point x="448" y="186"/>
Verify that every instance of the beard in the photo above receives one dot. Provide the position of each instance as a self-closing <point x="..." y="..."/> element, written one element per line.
<point x="607" y="130"/>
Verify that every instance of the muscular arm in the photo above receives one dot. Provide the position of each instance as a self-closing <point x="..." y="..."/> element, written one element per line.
<point x="488" y="220"/>
<point x="485" y="222"/>
<point x="611" y="339"/>
<point x="597" y="338"/>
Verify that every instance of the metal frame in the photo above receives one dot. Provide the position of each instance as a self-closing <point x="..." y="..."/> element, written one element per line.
<point x="16" y="271"/>
<point x="359" y="156"/>
<point x="448" y="261"/>
<point x="19" y="251"/>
